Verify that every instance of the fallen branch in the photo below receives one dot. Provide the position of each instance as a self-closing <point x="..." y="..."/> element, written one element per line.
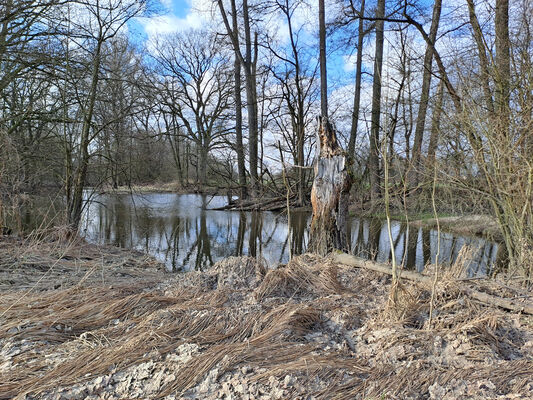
<point x="485" y="298"/>
<point x="269" y="204"/>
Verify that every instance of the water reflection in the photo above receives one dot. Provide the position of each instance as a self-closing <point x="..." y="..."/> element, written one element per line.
<point x="185" y="234"/>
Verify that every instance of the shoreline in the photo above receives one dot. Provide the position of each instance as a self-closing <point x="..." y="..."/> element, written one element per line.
<point x="465" y="225"/>
<point x="474" y="225"/>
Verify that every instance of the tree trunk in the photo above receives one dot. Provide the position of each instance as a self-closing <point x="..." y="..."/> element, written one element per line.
<point x="358" y="75"/>
<point x="249" y="64"/>
<point x="373" y="160"/>
<point x="503" y="64"/>
<point x="323" y="69"/>
<point x="76" y="205"/>
<point x="203" y="166"/>
<point x="516" y="305"/>
<point x="301" y="162"/>
<point x="330" y="194"/>
<point x="484" y="63"/>
<point x="435" y="126"/>
<point x="251" y="98"/>
<point x="424" y="96"/>
<point x="239" y="148"/>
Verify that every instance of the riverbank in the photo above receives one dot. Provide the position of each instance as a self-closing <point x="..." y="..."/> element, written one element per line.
<point x="113" y="325"/>
<point x="166" y="187"/>
<point x="467" y="225"/>
<point x="478" y="225"/>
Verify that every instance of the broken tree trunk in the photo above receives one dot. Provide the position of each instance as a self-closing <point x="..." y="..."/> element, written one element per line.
<point x="516" y="305"/>
<point x="330" y="194"/>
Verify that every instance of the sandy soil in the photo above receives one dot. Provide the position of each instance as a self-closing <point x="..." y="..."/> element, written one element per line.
<point x="311" y="329"/>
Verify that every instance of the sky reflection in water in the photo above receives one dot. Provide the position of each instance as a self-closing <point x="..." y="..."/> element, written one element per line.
<point x="181" y="231"/>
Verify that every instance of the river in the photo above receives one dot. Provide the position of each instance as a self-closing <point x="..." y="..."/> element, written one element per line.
<point x="184" y="233"/>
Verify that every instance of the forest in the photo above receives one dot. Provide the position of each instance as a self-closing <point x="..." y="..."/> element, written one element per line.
<point x="436" y="96"/>
<point x="266" y="199"/>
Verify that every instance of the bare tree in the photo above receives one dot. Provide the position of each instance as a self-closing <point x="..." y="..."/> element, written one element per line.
<point x="239" y="146"/>
<point x="97" y="23"/>
<point x="24" y="24"/>
<point x="197" y="88"/>
<point x="424" y="94"/>
<point x="248" y="61"/>
<point x="295" y="75"/>
<point x="373" y="158"/>
<point x="358" y="75"/>
<point x="119" y="100"/>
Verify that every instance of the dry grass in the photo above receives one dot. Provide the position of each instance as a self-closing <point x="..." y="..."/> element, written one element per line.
<point x="37" y="264"/>
<point x="303" y="277"/>
<point x="277" y="325"/>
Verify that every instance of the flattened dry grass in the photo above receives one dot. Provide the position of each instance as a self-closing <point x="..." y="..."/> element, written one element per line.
<point x="67" y="336"/>
<point x="305" y="276"/>
<point x="35" y="264"/>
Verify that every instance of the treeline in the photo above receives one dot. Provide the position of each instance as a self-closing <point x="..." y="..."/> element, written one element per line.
<point x="440" y="95"/>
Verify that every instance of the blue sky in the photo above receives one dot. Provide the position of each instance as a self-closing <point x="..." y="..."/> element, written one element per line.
<point x="172" y="15"/>
<point x="177" y="15"/>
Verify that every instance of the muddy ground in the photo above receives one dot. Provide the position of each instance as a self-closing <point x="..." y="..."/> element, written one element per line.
<point x="85" y="322"/>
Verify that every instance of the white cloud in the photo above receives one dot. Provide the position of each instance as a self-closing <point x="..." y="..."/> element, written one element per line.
<point x="198" y="16"/>
<point x="167" y="4"/>
<point x="349" y="62"/>
<point x="162" y="24"/>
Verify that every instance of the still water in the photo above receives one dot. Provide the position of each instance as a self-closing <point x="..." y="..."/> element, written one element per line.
<point x="181" y="231"/>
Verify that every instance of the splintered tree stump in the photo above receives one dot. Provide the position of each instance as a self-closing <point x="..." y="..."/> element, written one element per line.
<point x="330" y="194"/>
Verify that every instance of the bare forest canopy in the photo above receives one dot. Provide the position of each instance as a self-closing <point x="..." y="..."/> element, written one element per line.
<point x="437" y="94"/>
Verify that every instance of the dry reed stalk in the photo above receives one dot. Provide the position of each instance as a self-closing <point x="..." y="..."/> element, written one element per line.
<point x="87" y="331"/>
<point x="298" y="278"/>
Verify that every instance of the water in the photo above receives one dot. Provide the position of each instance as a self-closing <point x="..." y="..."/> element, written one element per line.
<point x="181" y="231"/>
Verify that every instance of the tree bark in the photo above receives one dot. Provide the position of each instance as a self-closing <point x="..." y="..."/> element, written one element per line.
<point x="484" y="63"/>
<point x="358" y="75"/>
<point x="424" y="96"/>
<point x="503" y="64"/>
<point x="323" y="68"/>
<point x="435" y="126"/>
<point x="330" y="194"/>
<point x="203" y="166"/>
<point x="239" y="148"/>
<point x="373" y="160"/>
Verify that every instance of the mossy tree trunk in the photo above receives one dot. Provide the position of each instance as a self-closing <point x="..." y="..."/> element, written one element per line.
<point x="330" y="194"/>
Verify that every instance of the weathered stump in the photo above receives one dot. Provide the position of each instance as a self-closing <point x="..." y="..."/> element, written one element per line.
<point x="330" y="194"/>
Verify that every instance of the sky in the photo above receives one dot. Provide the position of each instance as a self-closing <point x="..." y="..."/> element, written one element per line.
<point x="174" y="15"/>
<point x="180" y="15"/>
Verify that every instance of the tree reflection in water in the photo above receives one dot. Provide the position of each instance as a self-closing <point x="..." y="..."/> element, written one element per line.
<point x="185" y="234"/>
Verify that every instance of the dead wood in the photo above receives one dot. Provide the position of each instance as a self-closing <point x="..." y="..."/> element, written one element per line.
<point x="264" y="204"/>
<point x="485" y="298"/>
<point x="330" y="194"/>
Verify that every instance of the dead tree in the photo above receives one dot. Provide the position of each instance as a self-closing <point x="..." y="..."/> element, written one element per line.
<point x="330" y="193"/>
